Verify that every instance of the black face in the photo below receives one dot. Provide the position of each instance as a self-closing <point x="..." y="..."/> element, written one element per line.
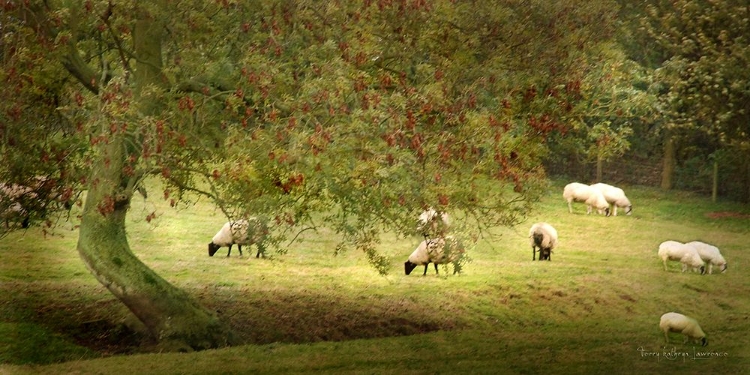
<point x="703" y="270"/>
<point x="544" y="254"/>
<point x="606" y="211"/>
<point x="409" y="266"/>
<point x="704" y="342"/>
<point x="212" y="248"/>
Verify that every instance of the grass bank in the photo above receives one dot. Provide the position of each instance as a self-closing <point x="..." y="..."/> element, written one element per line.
<point x="594" y="308"/>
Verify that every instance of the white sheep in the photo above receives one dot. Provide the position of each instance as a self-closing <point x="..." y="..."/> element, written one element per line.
<point x="710" y="254"/>
<point x="437" y="251"/>
<point x="433" y="224"/>
<point x="11" y="208"/>
<point x="543" y="236"/>
<point x="687" y="255"/>
<point x="614" y="196"/>
<point x="240" y="232"/>
<point x="674" y="322"/>
<point x="577" y="192"/>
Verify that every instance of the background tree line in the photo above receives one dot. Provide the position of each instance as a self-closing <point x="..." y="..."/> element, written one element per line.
<point x="685" y="60"/>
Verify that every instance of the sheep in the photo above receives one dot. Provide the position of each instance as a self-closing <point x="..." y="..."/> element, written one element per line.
<point x="431" y="222"/>
<point x="11" y="208"/>
<point x="675" y="322"/>
<point x="709" y="254"/>
<point x="543" y="236"/>
<point x="437" y="251"/>
<point x="577" y="192"/>
<point x="687" y="255"/>
<point x="33" y="196"/>
<point x="614" y="196"/>
<point x="240" y="232"/>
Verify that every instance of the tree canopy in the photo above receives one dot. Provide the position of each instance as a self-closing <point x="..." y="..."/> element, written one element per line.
<point x="353" y="115"/>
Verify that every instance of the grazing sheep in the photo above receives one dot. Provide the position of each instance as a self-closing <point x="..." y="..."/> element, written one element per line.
<point x="614" y="196"/>
<point x="240" y="232"/>
<point x="34" y="196"/>
<point x="437" y="251"/>
<point x="433" y="224"/>
<point x="674" y="322"/>
<point x="577" y="192"/>
<point x="543" y="236"/>
<point x="710" y="254"/>
<point x="11" y="208"/>
<point x="687" y="255"/>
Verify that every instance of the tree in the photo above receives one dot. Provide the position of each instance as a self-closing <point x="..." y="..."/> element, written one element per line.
<point x="704" y="82"/>
<point x="611" y="97"/>
<point x="353" y="114"/>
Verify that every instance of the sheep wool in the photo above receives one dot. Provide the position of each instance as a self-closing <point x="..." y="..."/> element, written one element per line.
<point x="709" y="254"/>
<point x="577" y="192"/>
<point x="614" y="196"/>
<point x="543" y="236"/>
<point x="240" y="232"/>
<point x="437" y="251"/>
<point x="675" y="322"/>
<point x="11" y="208"/>
<point x="433" y="224"/>
<point x="687" y="255"/>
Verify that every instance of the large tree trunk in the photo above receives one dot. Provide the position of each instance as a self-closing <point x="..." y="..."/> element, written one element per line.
<point x="171" y="316"/>
<point x="669" y="163"/>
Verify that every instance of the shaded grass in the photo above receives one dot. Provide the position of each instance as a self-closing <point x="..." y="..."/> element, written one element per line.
<point x="588" y="310"/>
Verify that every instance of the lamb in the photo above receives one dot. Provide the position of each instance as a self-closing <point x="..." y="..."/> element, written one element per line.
<point x="710" y="254"/>
<point x="614" y="196"/>
<point x="437" y="251"/>
<point x="240" y="232"/>
<point x="432" y="223"/>
<point x="577" y="192"/>
<point x="687" y="255"/>
<point x="543" y="236"/>
<point x="674" y="322"/>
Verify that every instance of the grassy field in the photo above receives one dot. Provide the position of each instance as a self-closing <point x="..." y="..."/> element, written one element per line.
<point x="594" y="308"/>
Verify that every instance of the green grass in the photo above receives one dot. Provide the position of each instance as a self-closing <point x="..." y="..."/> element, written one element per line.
<point x="589" y="310"/>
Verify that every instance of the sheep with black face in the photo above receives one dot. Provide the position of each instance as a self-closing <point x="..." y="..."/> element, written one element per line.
<point x="543" y="236"/>
<point x="436" y="251"/>
<point x="240" y="232"/>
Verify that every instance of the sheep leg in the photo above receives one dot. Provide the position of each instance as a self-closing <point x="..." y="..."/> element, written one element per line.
<point x="666" y="335"/>
<point x="570" y="207"/>
<point x="436" y="268"/>
<point x="261" y="250"/>
<point x="240" y="247"/>
<point x="425" y="269"/>
<point x="614" y="209"/>
<point x="230" y="250"/>
<point x="533" y="253"/>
